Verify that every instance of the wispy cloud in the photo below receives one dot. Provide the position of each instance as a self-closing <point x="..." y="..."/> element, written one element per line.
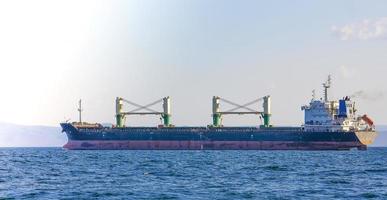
<point x="347" y="72"/>
<point x="363" y="30"/>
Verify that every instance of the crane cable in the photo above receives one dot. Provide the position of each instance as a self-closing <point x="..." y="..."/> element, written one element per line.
<point x="241" y="106"/>
<point x="140" y="107"/>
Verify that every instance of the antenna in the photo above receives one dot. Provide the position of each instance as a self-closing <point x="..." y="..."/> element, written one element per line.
<point x="326" y="86"/>
<point x="313" y="94"/>
<point x="80" y="110"/>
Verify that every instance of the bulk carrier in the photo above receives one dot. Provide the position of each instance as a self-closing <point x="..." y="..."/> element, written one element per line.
<point x="328" y="125"/>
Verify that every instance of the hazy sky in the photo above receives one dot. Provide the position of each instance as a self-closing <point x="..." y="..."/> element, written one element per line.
<point x="54" y="52"/>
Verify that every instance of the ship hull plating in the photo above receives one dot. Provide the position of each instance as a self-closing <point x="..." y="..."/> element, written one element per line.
<point x="202" y="138"/>
<point x="210" y="145"/>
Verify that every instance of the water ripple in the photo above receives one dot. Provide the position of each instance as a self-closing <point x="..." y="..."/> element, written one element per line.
<point x="55" y="173"/>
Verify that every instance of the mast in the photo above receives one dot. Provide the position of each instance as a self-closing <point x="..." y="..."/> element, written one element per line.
<point x="267" y="111"/>
<point x="216" y="117"/>
<point x="166" y="115"/>
<point x="80" y="110"/>
<point x="119" y="116"/>
<point x="326" y="86"/>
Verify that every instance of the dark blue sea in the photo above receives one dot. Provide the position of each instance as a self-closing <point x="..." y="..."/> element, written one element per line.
<point x="55" y="173"/>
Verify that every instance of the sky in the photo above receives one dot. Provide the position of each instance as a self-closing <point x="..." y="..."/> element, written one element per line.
<point x="53" y="53"/>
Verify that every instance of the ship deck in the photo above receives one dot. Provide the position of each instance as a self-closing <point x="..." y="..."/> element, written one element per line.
<point x="196" y="129"/>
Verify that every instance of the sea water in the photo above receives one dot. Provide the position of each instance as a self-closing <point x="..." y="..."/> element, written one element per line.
<point x="56" y="173"/>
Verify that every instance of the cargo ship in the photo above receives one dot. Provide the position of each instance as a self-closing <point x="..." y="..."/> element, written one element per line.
<point x="328" y="125"/>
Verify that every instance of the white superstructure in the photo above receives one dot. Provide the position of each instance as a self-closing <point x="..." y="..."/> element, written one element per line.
<point x="333" y="116"/>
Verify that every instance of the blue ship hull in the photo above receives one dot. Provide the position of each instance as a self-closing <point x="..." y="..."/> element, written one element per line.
<point x="196" y="138"/>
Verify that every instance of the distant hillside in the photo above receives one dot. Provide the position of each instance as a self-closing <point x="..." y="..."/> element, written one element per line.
<point x="12" y="135"/>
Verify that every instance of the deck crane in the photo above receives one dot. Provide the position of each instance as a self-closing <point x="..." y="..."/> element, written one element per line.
<point x="217" y="114"/>
<point x="121" y="115"/>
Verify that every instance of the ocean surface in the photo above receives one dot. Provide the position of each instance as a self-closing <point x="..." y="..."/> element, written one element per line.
<point x="55" y="173"/>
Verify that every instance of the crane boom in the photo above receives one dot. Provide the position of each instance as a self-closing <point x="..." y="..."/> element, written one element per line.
<point x="121" y="115"/>
<point x="217" y="114"/>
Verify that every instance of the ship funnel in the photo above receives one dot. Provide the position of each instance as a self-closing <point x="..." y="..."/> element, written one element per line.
<point x="342" y="108"/>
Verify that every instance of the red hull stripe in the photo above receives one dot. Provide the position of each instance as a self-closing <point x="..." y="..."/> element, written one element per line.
<point x="210" y="145"/>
